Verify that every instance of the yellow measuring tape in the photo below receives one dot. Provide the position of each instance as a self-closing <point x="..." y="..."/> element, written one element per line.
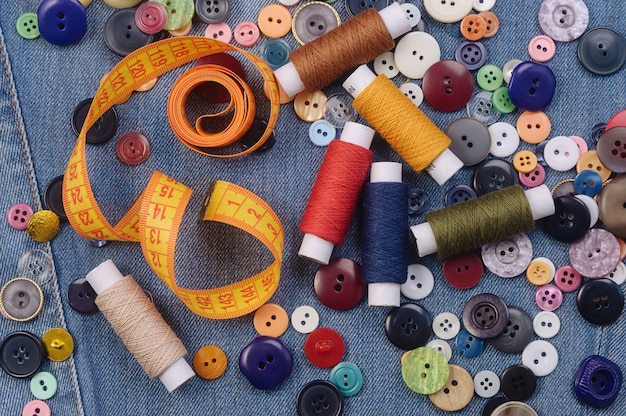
<point x="154" y="219"/>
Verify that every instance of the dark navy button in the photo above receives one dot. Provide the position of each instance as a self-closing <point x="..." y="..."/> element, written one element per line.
<point x="265" y="362"/>
<point x="408" y="326"/>
<point x="588" y="182"/>
<point x="324" y="347"/>
<point x="103" y="129"/>
<point x="602" y="51"/>
<point x="338" y="284"/>
<point x="493" y="175"/>
<point x="570" y="221"/>
<point x="212" y="91"/>
<point x="597" y="382"/>
<point x="121" y="34"/>
<point x="459" y="193"/>
<point x="418" y="201"/>
<point x="471" y="54"/>
<point x="463" y="271"/>
<point x="600" y="301"/>
<point x="319" y="398"/>
<point x="53" y="197"/>
<point x="81" y="296"/>
<point x="255" y="133"/>
<point x="21" y="354"/>
<point x="539" y="153"/>
<point x="518" y="383"/>
<point x="447" y="86"/>
<point x="471" y="140"/>
<point x="532" y="86"/>
<point x="597" y="131"/>
<point x="275" y="52"/>
<point x="517" y="334"/>
<point x="212" y="11"/>
<point x="492" y="404"/>
<point x="485" y="316"/>
<point x="62" y="22"/>
<point x="355" y="7"/>
<point x="468" y="345"/>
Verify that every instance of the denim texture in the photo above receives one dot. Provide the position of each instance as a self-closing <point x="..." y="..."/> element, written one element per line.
<point x="40" y="84"/>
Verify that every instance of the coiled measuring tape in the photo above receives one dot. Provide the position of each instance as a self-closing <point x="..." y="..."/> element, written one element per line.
<point x="154" y="218"/>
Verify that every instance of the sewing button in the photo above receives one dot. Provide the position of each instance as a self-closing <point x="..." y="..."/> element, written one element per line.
<point x="462" y="271"/>
<point x="58" y="343"/>
<point x="183" y="31"/>
<point x="563" y="21"/>
<point x="548" y="297"/>
<point x="212" y="11"/>
<point x="592" y="206"/>
<point x="121" y="34"/>
<point x="602" y="51"/>
<point x="179" y="13"/>
<point x="413" y="92"/>
<point x="508" y="257"/>
<point x="319" y="398"/>
<point x="473" y="27"/>
<point x="412" y="13"/>
<point x="486" y="383"/>
<point x="597" y="382"/>
<point x="596" y="254"/>
<point x="43" y="226"/>
<point x="507" y="69"/>
<point x="415" y="53"/>
<point x="408" y="326"/>
<point x="338" y="110"/>
<point x="321" y="133"/>
<point x="492" y="175"/>
<point x="492" y="23"/>
<point x="532" y="86"/>
<point x="600" y="301"/>
<point x="489" y="77"/>
<point x="581" y="143"/>
<point x="425" y="370"/>
<point x="492" y="404"/>
<point x="36" y="408"/>
<point x="483" y="5"/>
<point x="219" y="31"/>
<point x="457" y="393"/>
<point x="485" y="315"/>
<point x="597" y="131"/>
<point x="35" y="265"/>
<point x="309" y="106"/>
<point x="274" y="21"/>
<point x="102" y="130"/>
<point x="441" y="346"/>
<point x="27" y="26"/>
<point x="618" y="276"/>
<point x="347" y="377"/>
<point x="305" y="319"/>
<point x="313" y="20"/>
<point x="459" y="193"/>
<point x="150" y="17"/>
<point x="541" y="357"/>
<point x="275" y="52"/>
<point x="563" y="188"/>
<point x="447" y="86"/>
<point x="533" y="127"/>
<point x="21" y="354"/>
<point x="18" y="216"/>
<point x="588" y="182"/>
<point x="518" y="382"/>
<point x="567" y="278"/>
<point x="504" y="139"/>
<point x="338" y="285"/>
<point x="265" y="362"/>
<point x="468" y="345"/>
<point x="524" y="161"/>
<point x="386" y="65"/>
<point x="611" y="204"/>
<point x="81" y="296"/>
<point x="448" y="12"/>
<point x="53" y="197"/>
<point x="611" y="149"/>
<point x="561" y="153"/>
<point x="471" y="54"/>
<point x="255" y="133"/>
<point x="514" y="408"/>
<point x="21" y="299"/>
<point x="541" y="48"/>
<point x="355" y="7"/>
<point x="419" y="282"/>
<point x="418" y="201"/>
<point x="481" y="108"/>
<point x="470" y="140"/>
<point x="446" y="325"/>
<point x="132" y="148"/>
<point x="62" y="22"/>
<point x="501" y="101"/>
<point x="570" y="220"/>
<point x="210" y="362"/>
<point x="517" y="333"/>
<point x="540" y="271"/>
<point x="247" y="34"/>
<point x="324" y="347"/>
<point x="534" y="178"/>
<point x="617" y="120"/>
<point x="271" y="320"/>
<point x="546" y="324"/>
<point x="43" y="385"/>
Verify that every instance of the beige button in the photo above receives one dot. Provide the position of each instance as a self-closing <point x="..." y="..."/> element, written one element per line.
<point x="271" y="320"/>
<point x="147" y="86"/>
<point x="59" y="344"/>
<point x="309" y="106"/>
<point x="612" y="206"/>
<point x="590" y="161"/>
<point x="457" y="392"/>
<point x="514" y="409"/>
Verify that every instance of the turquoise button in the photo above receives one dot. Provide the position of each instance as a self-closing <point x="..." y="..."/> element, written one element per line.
<point x="275" y="52"/>
<point x="43" y="385"/>
<point x="347" y="377"/>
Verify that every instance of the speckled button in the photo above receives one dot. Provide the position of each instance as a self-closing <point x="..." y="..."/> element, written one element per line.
<point x="600" y="301"/>
<point x="567" y="278"/>
<point x="471" y="54"/>
<point x="413" y="92"/>
<point x="324" y="347"/>
<point x="179" y="13"/>
<point x="212" y="11"/>
<point x="347" y="377"/>
<point x="62" y="22"/>
<point x="504" y="139"/>
<point x="21" y="354"/>
<point x="271" y="320"/>
<point x="338" y="110"/>
<point x="493" y="175"/>
<point x="319" y="398"/>
<point x="425" y="370"/>
<point x="541" y="48"/>
<point x="305" y="319"/>
<point x="534" y="178"/>
<point x="419" y="282"/>
<point x="602" y="51"/>
<point x="132" y="148"/>
<point x="447" y="85"/>
<point x="408" y="326"/>
<point x="36" y="408"/>
<point x="546" y="324"/>
<point x="563" y="20"/>
<point x="448" y="11"/>
<point x="121" y="34"/>
<point x="468" y="345"/>
<point x="532" y="86"/>
<point x="533" y="127"/>
<point x="611" y="149"/>
<point x="470" y="140"/>
<point x="386" y="65"/>
<point x="462" y="271"/>
<point x="540" y="271"/>
<point x="508" y="257"/>
<point x="548" y="297"/>
<point x="518" y="382"/>
<point x="596" y="254"/>
<point x="446" y="325"/>
<point x="338" y="285"/>
<point x="570" y="220"/>
<point x="103" y="129"/>
<point x="309" y="106"/>
<point x="486" y="384"/>
<point x="18" y="216"/>
<point x="458" y="391"/>
<point x="612" y="206"/>
<point x="481" y="108"/>
<point x="517" y="333"/>
<point x="459" y="193"/>
<point x="21" y="299"/>
<point x="561" y="153"/>
<point x="416" y="52"/>
<point x="313" y="20"/>
<point x="485" y="315"/>
<point x="274" y="20"/>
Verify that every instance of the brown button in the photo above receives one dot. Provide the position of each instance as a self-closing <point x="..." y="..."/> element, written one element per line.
<point x="612" y="205"/>
<point x="492" y="23"/>
<point x="309" y="106"/>
<point x="338" y="285"/>
<point x="210" y="362"/>
<point x="514" y="409"/>
<point x="132" y="148"/>
<point x="622" y="249"/>
<point x="456" y="393"/>
<point x="447" y="86"/>
<point x="611" y="149"/>
<point x="271" y="320"/>
<point x="590" y="161"/>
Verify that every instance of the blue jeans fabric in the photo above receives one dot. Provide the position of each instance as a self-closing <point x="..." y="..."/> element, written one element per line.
<point x="40" y="84"/>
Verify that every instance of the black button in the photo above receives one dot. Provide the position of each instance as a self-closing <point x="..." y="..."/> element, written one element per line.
<point x="103" y="129"/>
<point x="570" y="221"/>
<point x="212" y="11"/>
<point x="517" y="334"/>
<point x="319" y="398"/>
<point x="53" y="197"/>
<point x="408" y="326"/>
<point x="602" y="51"/>
<point x="121" y="34"/>
<point x="253" y="135"/>
<point x="82" y="297"/>
<point x="21" y="354"/>
<point x="518" y="383"/>
<point x="600" y="301"/>
<point x="492" y="404"/>
<point x="357" y="6"/>
<point x="493" y="175"/>
<point x="485" y="316"/>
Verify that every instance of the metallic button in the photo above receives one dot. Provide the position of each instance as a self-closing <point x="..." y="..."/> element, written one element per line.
<point x="21" y="299"/>
<point x="58" y="343"/>
<point x="313" y="20"/>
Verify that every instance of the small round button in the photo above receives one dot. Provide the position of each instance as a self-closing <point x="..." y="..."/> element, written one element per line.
<point x="210" y="362"/>
<point x="347" y="377"/>
<point x="313" y="20"/>
<point x="481" y="108"/>
<point x="408" y="326"/>
<point x="212" y="11"/>
<point x="416" y="52"/>
<point x="305" y="319"/>
<point x="618" y="276"/>
<point x="321" y="133"/>
<point x="450" y="11"/>
<point x="489" y="77"/>
<point x="486" y="383"/>
<point x="470" y="140"/>
<point x="132" y="148"/>
<point x="598" y="381"/>
<point x="21" y="299"/>
<point x="43" y="385"/>
<point x="524" y="161"/>
<point x="271" y="320"/>
<point x="485" y="315"/>
<point x="319" y="398"/>
<point x="533" y="178"/>
<point x="274" y="21"/>
<point x="468" y="345"/>
<point x="247" y="34"/>
<point x="504" y="139"/>
<point x="507" y="69"/>
<point x="151" y="17"/>
<point x="265" y="362"/>
<point x="567" y="278"/>
<point x="541" y="48"/>
<point x="21" y="354"/>
<point x="518" y="382"/>
<point x="121" y="34"/>
<point x="471" y="54"/>
<point x="563" y="21"/>
<point x="275" y="52"/>
<point x="102" y="130"/>
<point x="338" y="110"/>
<point x="596" y="254"/>
<point x="413" y="92"/>
<point x="339" y="285"/>
<point x="447" y="85"/>
<point x="473" y="27"/>
<point x="600" y="301"/>
<point x="446" y="325"/>
<point x="58" y="343"/>
<point x="62" y="22"/>
<point x="27" y="25"/>
<point x="548" y="297"/>
<point x="81" y="296"/>
<point x="546" y="324"/>
<point x="541" y="357"/>
<point x="462" y="271"/>
<point x="18" y="216"/>
<point x="219" y="31"/>
<point x="540" y="271"/>
<point x="493" y="175"/>
<point x="501" y="101"/>
<point x="458" y="391"/>
<point x="570" y="220"/>
<point x="309" y="106"/>
<point x="386" y="65"/>
<point x="561" y="153"/>
<point x="36" y="408"/>
<point x="459" y="193"/>
<point x="35" y="265"/>
<point x="440" y="345"/>
<point x="532" y="86"/>
<point x="602" y="51"/>
<point x="533" y="127"/>
<point x="611" y="149"/>
<point x="581" y="143"/>
<point x="588" y="182"/>
<point x="419" y="282"/>
<point x="324" y="347"/>
<point x="425" y="370"/>
<point x="418" y="201"/>
<point x="517" y="333"/>
<point x="491" y="20"/>
<point x="508" y="257"/>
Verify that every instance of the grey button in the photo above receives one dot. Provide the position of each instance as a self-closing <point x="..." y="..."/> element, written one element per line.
<point x="121" y="34"/>
<point x="471" y="140"/>
<point x="212" y="11"/>
<point x="21" y="299"/>
<point x="481" y="108"/>
<point x="509" y="257"/>
<point x="563" y="20"/>
<point x="312" y="20"/>
<point x="611" y="149"/>
<point x="517" y="334"/>
<point x="602" y="51"/>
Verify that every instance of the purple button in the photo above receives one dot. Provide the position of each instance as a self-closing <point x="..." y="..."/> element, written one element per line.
<point x="18" y="216"/>
<point x="82" y="297"/>
<point x="596" y="254"/>
<point x="534" y="178"/>
<point x="567" y="278"/>
<point x="548" y="297"/>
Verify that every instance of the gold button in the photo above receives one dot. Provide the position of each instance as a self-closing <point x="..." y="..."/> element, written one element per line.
<point x="590" y="161"/>
<point x="456" y="393"/>
<point x="43" y="226"/>
<point x="210" y="362"/>
<point x="309" y="106"/>
<point x="59" y="344"/>
<point x="271" y="320"/>
<point x="540" y="271"/>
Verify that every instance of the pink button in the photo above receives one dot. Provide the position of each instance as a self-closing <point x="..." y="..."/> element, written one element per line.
<point x="534" y="178"/>
<point x="567" y="278"/>
<point x="247" y="34"/>
<point x="541" y="48"/>
<point x="549" y="297"/>
<point x="36" y="408"/>
<point x="151" y="17"/>
<point x="18" y="216"/>
<point x="219" y="31"/>
<point x="582" y="144"/>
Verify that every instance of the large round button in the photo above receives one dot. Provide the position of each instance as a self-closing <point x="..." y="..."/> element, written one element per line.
<point x="563" y="21"/>
<point x="21" y="354"/>
<point x="541" y="357"/>
<point x="447" y="85"/>
<point x="274" y="20"/>
<point x="485" y="315"/>
<point x="425" y="370"/>
<point x="338" y="285"/>
<point x="602" y="51"/>
<point x="265" y="362"/>
<point x="319" y="398"/>
<point x="132" y="148"/>
<point x="508" y="257"/>
<point x="348" y="378"/>
<point x="518" y="382"/>
<point x="121" y="34"/>
<point x="81" y="296"/>
<point x="598" y="381"/>
<point x="53" y="197"/>
<point x="486" y="383"/>
<point x="470" y="140"/>
<point x="596" y="254"/>
<point x="408" y="326"/>
<point x="419" y="282"/>
<point x="504" y="139"/>
<point x="212" y="11"/>
<point x="62" y="22"/>
<point x="210" y="362"/>
<point x="58" y="343"/>
<point x="415" y="53"/>
<point x="102" y="130"/>
<point x="532" y="86"/>
<point x="463" y="271"/>
<point x="493" y="175"/>
<point x="324" y="347"/>
<point x="611" y="149"/>
<point x="448" y="11"/>
<point x="600" y="301"/>
<point x="36" y="408"/>
<point x="458" y="391"/>
<point x="570" y="220"/>
<point x="471" y="54"/>
<point x="517" y="333"/>
<point x="271" y="320"/>
<point x="313" y="20"/>
<point x="21" y="299"/>
<point x="179" y="13"/>
<point x="612" y="206"/>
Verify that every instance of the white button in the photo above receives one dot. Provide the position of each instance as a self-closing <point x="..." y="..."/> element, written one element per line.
<point x="619" y="274"/>
<point x="419" y="282"/>
<point x="546" y="324"/>
<point x="413" y="14"/>
<point x="483" y="6"/>
<point x="448" y="11"/>
<point x="486" y="384"/>
<point x="446" y="325"/>
<point x="415" y="53"/>
<point x="305" y="319"/>
<point x="561" y="153"/>
<point x="504" y="139"/>
<point x="509" y="257"/>
<point x="386" y="65"/>
<point x="289" y="3"/>
<point x="541" y="357"/>
<point x="507" y="69"/>
<point x="548" y="263"/>
<point x="413" y="92"/>
<point x="442" y="346"/>
<point x="563" y="20"/>
<point x="592" y="206"/>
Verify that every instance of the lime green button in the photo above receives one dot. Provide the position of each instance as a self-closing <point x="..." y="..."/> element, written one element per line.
<point x="501" y="101"/>
<point x="43" y="385"/>
<point x="489" y="77"/>
<point x="179" y="12"/>
<point x="425" y="370"/>
<point x="27" y="26"/>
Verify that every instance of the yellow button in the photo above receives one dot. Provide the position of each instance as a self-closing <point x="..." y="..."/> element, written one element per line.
<point x="59" y="344"/>
<point x="43" y="226"/>
<point x="456" y="393"/>
<point x="540" y="271"/>
<point x="524" y="161"/>
<point x="590" y="161"/>
<point x="271" y="320"/>
<point x="533" y="127"/>
<point x="274" y="21"/>
<point x="210" y="362"/>
<point x="309" y="106"/>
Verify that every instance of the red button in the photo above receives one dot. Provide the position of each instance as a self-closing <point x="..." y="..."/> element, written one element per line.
<point x="447" y="86"/>
<point x="132" y="148"/>
<point x="463" y="271"/>
<point x="338" y="285"/>
<point x="212" y="91"/>
<point x="324" y="347"/>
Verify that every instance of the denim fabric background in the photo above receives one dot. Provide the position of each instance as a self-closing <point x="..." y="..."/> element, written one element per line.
<point x="40" y="84"/>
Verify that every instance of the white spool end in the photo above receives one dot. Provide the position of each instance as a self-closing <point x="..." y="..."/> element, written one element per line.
<point x="383" y="294"/>
<point x="386" y="172"/>
<point x="104" y="276"/>
<point x="444" y="167"/>
<point x="541" y="202"/>
<point x="358" y="134"/>
<point x="288" y="78"/>
<point x="424" y="239"/>
<point x="395" y="20"/>
<point x="176" y="375"/>
<point x="316" y="249"/>
<point x="358" y="80"/>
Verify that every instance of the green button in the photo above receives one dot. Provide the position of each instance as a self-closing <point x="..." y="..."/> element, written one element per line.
<point x="501" y="101"/>
<point x="425" y="370"/>
<point x="348" y="378"/>
<point x="26" y="26"/>
<point x="43" y="385"/>
<point x="179" y="12"/>
<point x="489" y="78"/>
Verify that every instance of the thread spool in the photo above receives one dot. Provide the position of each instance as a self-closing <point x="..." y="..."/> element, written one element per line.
<point x="491" y="217"/>
<point x="403" y="125"/>
<point x="137" y="322"/>
<point x="357" y="41"/>
<point x="335" y="193"/>
<point x="385" y="234"/>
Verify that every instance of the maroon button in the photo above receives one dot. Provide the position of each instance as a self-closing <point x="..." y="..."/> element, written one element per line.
<point x="132" y="148"/>
<point x="463" y="271"/>
<point x="447" y="86"/>
<point x="338" y="285"/>
<point x="324" y="347"/>
<point x="212" y="91"/>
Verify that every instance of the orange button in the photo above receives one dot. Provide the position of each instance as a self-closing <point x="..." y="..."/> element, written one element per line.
<point x="622" y="249"/>
<point x="525" y="161"/>
<point x="309" y="106"/>
<point x="473" y="27"/>
<point x="458" y="391"/>
<point x="274" y="21"/>
<point x="210" y="362"/>
<point x="590" y="161"/>
<point x="533" y="127"/>
<point x="492" y="23"/>
<point x="540" y="271"/>
<point x="271" y="320"/>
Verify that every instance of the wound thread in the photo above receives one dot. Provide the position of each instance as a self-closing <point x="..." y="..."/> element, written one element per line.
<point x="471" y="224"/>
<point x="336" y="191"/>
<point x="357" y="41"/>
<point x="135" y="319"/>
<point x="404" y="126"/>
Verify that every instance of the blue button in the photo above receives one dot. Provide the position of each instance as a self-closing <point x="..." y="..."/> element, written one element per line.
<point x="471" y="54"/>
<point x="459" y="193"/>
<point x="322" y="132"/>
<point x="532" y="86"/>
<point x="62" y="22"/>
<point x="121" y="34"/>
<point x="275" y="52"/>
<point x="596" y="132"/>
<point x="347" y="377"/>
<point x="539" y="153"/>
<point x="493" y="175"/>
<point x="468" y="345"/>
<point x="597" y="382"/>
<point x="358" y="6"/>
<point x="588" y="182"/>
<point x="418" y="201"/>
<point x="265" y="362"/>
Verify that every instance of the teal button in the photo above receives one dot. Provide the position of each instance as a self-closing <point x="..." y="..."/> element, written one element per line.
<point x="489" y="77"/>
<point x="347" y="377"/>
<point x="43" y="385"/>
<point x="501" y="101"/>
